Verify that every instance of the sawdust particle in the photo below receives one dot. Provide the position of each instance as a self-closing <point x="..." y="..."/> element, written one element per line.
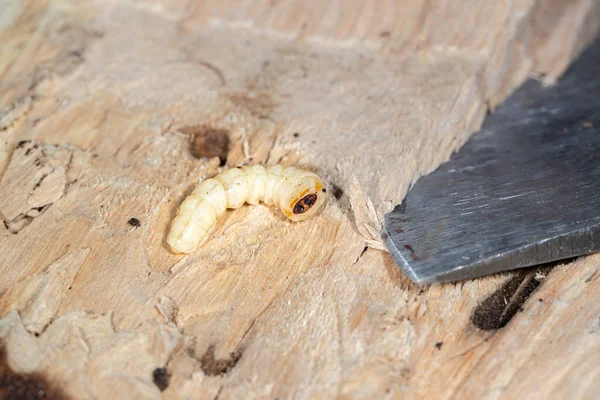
<point x="338" y="192"/>
<point x="160" y="377"/>
<point x="134" y="222"/>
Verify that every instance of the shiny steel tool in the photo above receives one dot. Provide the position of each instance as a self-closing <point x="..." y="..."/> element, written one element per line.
<point x="523" y="191"/>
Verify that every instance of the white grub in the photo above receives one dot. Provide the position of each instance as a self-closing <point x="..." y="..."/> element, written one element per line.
<point x="298" y="193"/>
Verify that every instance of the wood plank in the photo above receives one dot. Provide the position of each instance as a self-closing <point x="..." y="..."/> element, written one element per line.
<point x="100" y="104"/>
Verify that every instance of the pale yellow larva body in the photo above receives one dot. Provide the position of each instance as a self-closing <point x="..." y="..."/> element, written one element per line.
<point x="298" y="193"/>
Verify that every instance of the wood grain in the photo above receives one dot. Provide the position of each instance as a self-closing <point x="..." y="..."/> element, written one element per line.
<point x="100" y="106"/>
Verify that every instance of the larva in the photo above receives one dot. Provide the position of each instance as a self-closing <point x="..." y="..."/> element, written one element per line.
<point x="298" y="193"/>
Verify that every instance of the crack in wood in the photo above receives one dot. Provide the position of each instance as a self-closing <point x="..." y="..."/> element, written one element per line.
<point x="501" y="306"/>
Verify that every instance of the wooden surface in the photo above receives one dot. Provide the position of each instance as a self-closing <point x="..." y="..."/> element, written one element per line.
<point x="102" y="105"/>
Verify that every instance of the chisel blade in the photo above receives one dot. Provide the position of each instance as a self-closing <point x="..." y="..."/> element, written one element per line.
<point x="523" y="191"/>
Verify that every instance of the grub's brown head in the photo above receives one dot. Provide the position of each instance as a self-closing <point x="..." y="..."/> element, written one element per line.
<point x="302" y="195"/>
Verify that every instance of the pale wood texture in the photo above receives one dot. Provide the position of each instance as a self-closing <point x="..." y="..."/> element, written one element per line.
<point x="371" y="95"/>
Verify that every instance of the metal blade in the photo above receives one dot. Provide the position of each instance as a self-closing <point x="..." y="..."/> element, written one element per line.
<point x="523" y="191"/>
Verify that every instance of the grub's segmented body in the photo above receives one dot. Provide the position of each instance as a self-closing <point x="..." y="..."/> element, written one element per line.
<point x="298" y="193"/>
